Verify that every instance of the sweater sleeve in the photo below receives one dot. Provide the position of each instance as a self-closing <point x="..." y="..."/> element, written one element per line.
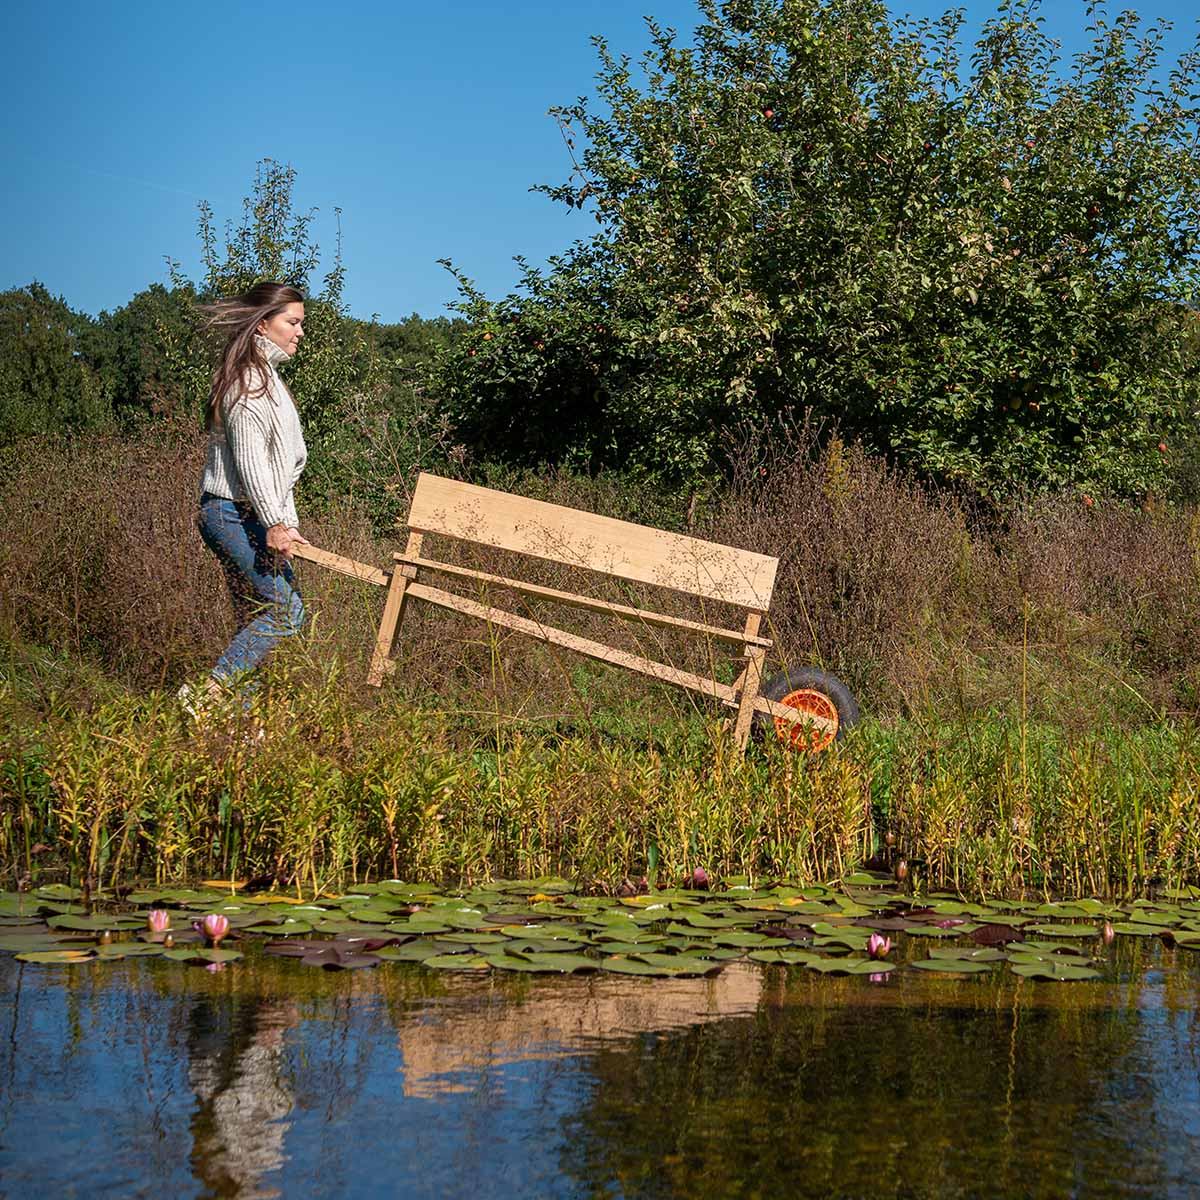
<point x="248" y="440"/>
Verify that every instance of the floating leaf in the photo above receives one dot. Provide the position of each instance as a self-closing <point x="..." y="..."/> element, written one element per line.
<point x="335" y="958"/>
<point x="456" y="962"/>
<point x="513" y="962"/>
<point x="56" y="956"/>
<point x="560" y="963"/>
<point x="1159" y="919"/>
<point x="778" y="957"/>
<point x="412" y="952"/>
<point x="1053" y="970"/>
<point x="98" y="924"/>
<point x="202" y="954"/>
<point x="956" y="966"/>
<point x="632" y="966"/>
<point x="850" y="966"/>
<point x="1064" y="931"/>
<point x="985" y="954"/>
<point x="744" y="940"/>
<point x="130" y="950"/>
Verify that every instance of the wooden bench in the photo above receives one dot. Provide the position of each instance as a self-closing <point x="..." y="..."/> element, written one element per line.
<point x="623" y="550"/>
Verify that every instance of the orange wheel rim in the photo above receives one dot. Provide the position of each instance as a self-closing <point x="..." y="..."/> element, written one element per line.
<point x="807" y="737"/>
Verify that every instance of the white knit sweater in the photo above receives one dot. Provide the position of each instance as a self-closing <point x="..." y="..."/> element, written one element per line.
<point x="256" y="450"/>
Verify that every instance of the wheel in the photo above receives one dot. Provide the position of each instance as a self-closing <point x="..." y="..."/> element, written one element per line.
<point x="814" y="691"/>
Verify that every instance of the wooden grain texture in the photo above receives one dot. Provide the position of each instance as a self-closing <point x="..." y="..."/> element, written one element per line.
<point x="623" y="611"/>
<point x="749" y="683"/>
<point x="393" y="614"/>
<point x="341" y="564"/>
<point x="569" y="535"/>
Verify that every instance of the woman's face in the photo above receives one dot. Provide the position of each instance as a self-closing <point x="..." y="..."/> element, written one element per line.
<point x="285" y="328"/>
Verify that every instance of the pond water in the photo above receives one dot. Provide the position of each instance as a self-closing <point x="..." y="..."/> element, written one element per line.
<point x="145" y="1077"/>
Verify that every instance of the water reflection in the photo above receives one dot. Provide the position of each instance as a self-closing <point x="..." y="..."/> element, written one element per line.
<point x="238" y="1072"/>
<point x="148" y="1078"/>
<point x="451" y="1045"/>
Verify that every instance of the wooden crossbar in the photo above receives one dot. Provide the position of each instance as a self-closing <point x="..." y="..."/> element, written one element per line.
<point x="572" y="641"/>
<point x="643" y="615"/>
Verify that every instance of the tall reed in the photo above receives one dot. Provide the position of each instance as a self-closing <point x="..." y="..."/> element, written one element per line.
<point x="337" y="793"/>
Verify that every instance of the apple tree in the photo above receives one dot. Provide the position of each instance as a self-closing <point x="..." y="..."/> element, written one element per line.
<point x="983" y="265"/>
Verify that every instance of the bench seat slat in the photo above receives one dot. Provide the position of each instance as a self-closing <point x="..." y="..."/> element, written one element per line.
<point x="624" y="611"/>
<point x="638" y="553"/>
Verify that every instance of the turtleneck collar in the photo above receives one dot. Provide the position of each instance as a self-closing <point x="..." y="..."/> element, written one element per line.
<point x="271" y="352"/>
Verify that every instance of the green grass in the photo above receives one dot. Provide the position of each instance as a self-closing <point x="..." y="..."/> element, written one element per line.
<point x="100" y="782"/>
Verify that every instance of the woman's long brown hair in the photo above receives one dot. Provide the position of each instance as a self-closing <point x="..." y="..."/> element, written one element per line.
<point x="242" y="360"/>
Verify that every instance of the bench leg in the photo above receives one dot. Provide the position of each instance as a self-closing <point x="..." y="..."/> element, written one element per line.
<point x="393" y="614"/>
<point x="750" y="681"/>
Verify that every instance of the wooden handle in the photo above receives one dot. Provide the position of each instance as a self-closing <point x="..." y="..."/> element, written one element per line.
<point x="344" y="566"/>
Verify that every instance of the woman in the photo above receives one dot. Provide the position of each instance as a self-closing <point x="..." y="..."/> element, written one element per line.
<point x="256" y="453"/>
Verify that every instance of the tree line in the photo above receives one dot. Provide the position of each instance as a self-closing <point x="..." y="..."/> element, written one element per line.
<point x="980" y="263"/>
<point x="64" y="372"/>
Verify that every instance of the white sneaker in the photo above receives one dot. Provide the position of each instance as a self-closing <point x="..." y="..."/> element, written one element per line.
<point x="191" y="701"/>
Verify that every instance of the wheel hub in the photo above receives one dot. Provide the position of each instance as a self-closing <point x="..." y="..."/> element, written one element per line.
<point x="807" y="737"/>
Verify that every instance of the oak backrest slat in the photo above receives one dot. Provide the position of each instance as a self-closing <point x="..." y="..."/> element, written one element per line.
<point x="638" y="553"/>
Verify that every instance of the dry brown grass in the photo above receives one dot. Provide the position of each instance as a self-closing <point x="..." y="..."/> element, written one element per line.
<point x="913" y="597"/>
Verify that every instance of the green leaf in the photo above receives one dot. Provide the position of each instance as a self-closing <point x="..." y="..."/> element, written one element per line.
<point x="56" y="956"/>
<point x="202" y="954"/>
<point x="1054" y="971"/>
<point x="956" y="966"/>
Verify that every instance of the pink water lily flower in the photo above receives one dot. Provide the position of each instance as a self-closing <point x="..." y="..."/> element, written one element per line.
<point x="878" y="946"/>
<point x="159" y="920"/>
<point x="700" y="878"/>
<point x="1108" y="933"/>
<point x="215" y="927"/>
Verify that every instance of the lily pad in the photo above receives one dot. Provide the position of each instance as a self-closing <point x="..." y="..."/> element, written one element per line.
<point x="456" y="962"/>
<point x="130" y="950"/>
<point x="1055" y="970"/>
<point x="984" y="954"/>
<point x="563" y="964"/>
<point x="781" y="957"/>
<point x="745" y="940"/>
<point x="95" y="924"/>
<point x="850" y="966"/>
<point x="56" y="956"/>
<point x="412" y="952"/>
<point x="205" y="954"/>
<point x="632" y="966"/>
<point x="1064" y="931"/>
<point x="953" y="966"/>
<point x="336" y="958"/>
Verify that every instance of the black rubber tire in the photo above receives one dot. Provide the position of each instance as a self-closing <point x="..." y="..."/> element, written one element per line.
<point x="808" y="679"/>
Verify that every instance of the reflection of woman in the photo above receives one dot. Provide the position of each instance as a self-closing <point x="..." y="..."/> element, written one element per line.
<point x="243" y="1097"/>
<point x="256" y="452"/>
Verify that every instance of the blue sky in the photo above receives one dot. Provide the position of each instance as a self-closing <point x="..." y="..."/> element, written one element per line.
<point x="425" y="123"/>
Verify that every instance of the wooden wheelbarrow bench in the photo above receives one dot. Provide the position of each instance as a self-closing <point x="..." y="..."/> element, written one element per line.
<point x="620" y="549"/>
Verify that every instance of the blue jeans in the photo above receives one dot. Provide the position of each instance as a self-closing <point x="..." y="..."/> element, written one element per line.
<point x="266" y="599"/>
